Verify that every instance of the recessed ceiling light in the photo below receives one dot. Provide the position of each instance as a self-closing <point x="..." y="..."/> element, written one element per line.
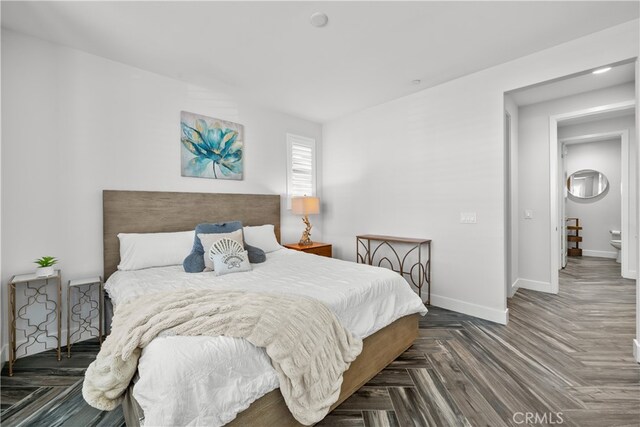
<point x="319" y="19"/>
<point x="416" y="82"/>
<point x="601" y="70"/>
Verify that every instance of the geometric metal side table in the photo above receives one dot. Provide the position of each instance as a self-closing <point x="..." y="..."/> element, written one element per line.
<point x="94" y="309"/>
<point x="387" y="253"/>
<point x="35" y="330"/>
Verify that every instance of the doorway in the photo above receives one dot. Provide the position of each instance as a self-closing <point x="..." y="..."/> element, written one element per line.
<point x="594" y="193"/>
<point x="535" y="225"/>
<point x="558" y="188"/>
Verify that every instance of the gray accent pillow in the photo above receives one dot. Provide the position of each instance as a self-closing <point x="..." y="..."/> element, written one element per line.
<point x="194" y="262"/>
<point x="256" y="255"/>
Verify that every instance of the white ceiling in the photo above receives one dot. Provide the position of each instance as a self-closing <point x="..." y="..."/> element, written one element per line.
<point x="574" y="85"/>
<point x="269" y="53"/>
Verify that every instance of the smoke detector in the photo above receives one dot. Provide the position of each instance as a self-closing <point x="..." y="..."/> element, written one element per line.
<point x="319" y="19"/>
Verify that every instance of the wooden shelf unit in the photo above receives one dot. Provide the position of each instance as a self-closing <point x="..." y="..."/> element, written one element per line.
<point x="574" y="238"/>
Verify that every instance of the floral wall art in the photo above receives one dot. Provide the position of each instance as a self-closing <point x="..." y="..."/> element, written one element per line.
<point x="211" y="148"/>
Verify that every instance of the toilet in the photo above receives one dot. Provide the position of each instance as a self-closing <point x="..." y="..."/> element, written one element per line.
<point x="616" y="242"/>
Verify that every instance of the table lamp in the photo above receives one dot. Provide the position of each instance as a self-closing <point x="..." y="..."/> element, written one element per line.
<point x="305" y="206"/>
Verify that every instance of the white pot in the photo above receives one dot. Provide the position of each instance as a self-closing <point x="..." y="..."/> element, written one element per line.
<point x="44" y="271"/>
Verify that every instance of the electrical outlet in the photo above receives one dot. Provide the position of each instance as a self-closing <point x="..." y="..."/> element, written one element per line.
<point x="468" y="218"/>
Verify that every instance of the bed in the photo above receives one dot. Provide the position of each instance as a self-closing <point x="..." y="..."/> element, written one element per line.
<point x="372" y="303"/>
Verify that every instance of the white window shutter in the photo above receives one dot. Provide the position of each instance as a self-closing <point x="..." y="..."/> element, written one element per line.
<point x="301" y="167"/>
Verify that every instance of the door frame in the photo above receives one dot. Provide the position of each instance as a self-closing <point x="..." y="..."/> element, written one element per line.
<point x="554" y="232"/>
<point x="562" y="195"/>
<point x="508" y="271"/>
<point x="623" y="134"/>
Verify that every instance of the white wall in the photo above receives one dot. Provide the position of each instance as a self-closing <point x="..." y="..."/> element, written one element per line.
<point x="534" y="193"/>
<point x="410" y="166"/>
<point x="636" y="341"/>
<point x="3" y="312"/>
<point x="75" y="124"/>
<point x="603" y="213"/>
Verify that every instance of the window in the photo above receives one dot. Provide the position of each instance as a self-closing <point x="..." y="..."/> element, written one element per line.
<point x="301" y="167"/>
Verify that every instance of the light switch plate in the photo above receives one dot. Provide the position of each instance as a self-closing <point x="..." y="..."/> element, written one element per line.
<point x="528" y="214"/>
<point x="468" y="218"/>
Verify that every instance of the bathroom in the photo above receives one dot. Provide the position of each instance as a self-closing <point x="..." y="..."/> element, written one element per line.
<point x="596" y="166"/>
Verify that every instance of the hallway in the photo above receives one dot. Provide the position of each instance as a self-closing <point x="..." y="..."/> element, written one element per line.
<point x="584" y="335"/>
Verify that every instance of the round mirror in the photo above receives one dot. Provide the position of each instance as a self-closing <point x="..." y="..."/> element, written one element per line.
<point x="587" y="183"/>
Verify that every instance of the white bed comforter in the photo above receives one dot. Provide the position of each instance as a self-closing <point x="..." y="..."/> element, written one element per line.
<point x="208" y="380"/>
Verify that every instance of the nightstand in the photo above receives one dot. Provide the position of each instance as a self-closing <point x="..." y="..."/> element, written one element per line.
<point x="35" y="291"/>
<point x="84" y="318"/>
<point x="317" y="248"/>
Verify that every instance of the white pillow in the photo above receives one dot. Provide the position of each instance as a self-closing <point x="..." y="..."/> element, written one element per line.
<point x="209" y="240"/>
<point x="262" y="236"/>
<point x="144" y="250"/>
<point x="231" y="263"/>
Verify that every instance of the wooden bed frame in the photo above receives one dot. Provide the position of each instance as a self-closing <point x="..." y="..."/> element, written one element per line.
<point x="149" y="212"/>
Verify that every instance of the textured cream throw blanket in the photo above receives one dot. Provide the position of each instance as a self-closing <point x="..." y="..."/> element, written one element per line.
<point x="308" y="347"/>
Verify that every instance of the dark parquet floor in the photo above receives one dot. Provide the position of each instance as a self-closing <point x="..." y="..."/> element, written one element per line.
<point x="563" y="360"/>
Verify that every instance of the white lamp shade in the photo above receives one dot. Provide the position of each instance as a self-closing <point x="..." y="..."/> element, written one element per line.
<point x="305" y="205"/>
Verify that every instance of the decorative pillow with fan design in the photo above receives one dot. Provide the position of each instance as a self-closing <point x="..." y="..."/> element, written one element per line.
<point x="208" y="240"/>
<point x="228" y="256"/>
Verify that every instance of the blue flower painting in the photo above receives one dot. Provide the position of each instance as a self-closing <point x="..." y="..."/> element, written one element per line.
<point x="211" y="148"/>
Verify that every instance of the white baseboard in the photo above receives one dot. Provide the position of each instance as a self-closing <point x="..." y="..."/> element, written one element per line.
<point x="630" y="274"/>
<point x="533" y="285"/>
<point x="513" y="289"/>
<point x="599" y="254"/>
<point x="475" y="310"/>
<point x="636" y="350"/>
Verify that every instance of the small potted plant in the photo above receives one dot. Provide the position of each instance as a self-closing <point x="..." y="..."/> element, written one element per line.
<point x="45" y="264"/>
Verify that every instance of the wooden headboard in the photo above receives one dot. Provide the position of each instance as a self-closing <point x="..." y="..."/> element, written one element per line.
<point x="153" y="212"/>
